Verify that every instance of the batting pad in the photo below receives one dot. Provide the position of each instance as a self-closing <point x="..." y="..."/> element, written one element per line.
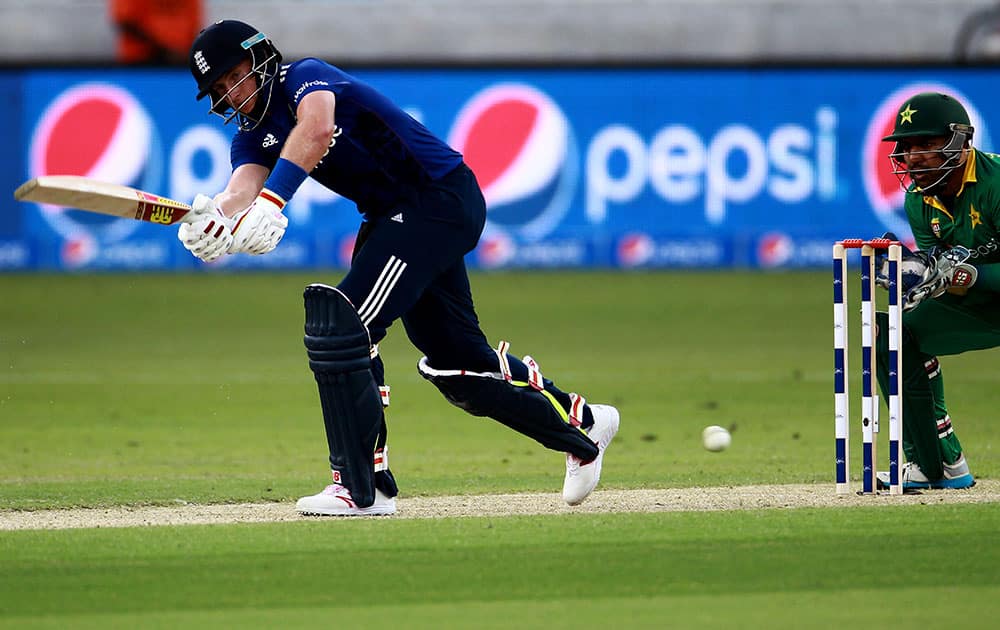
<point x="339" y="350"/>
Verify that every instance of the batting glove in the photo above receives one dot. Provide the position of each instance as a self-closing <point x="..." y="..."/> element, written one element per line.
<point x="207" y="235"/>
<point x="258" y="229"/>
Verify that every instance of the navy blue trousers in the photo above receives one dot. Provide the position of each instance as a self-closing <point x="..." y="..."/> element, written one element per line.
<point x="408" y="264"/>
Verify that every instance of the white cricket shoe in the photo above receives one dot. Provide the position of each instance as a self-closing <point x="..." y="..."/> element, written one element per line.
<point x="335" y="500"/>
<point x="956" y="477"/>
<point x="582" y="478"/>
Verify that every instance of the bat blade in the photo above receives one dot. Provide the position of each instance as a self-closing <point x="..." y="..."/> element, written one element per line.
<point x="83" y="193"/>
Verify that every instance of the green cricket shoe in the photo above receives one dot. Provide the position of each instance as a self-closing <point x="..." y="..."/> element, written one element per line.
<point x="956" y="477"/>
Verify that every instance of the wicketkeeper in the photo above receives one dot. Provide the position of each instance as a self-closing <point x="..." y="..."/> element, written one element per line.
<point x="952" y="285"/>
<point x="422" y="212"/>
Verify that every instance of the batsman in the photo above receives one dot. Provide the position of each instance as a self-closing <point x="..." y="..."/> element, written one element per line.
<point x="951" y="285"/>
<point x="422" y="212"/>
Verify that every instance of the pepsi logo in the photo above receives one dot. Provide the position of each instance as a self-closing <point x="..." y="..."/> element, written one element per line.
<point x="774" y="250"/>
<point x="882" y="187"/>
<point x="495" y="249"/>
<point x="78" y="251"/>
<point x="635" y="250"/>
<point x="99" y="131"/>
<point x="519" y="144"/>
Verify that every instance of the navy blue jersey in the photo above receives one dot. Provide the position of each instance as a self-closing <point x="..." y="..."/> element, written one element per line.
<point x="379" y="153"/>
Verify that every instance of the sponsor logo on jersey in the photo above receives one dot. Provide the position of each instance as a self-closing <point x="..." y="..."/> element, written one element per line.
<point x="989" y="248"/>
<point x="100" y="131"/>
<point x="522" y="150"/>
<point x="936" y="227"/>
<point x="882" y="187"/>
<point x="305" y="86"/>
<point x="337" y="130"/>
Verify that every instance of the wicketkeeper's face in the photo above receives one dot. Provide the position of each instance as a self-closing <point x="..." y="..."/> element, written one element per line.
<point x="238" y="87"/>
<point x="924" y="159"/>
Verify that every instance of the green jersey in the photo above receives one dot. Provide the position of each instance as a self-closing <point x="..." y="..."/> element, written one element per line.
<point x="971" y="219"/>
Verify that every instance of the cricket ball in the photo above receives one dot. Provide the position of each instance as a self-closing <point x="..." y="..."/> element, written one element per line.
<point x="716" y="438"/>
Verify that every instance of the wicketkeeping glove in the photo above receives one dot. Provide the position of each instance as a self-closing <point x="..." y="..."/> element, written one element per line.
<point x="912" y="266"/>
<point x="207" y="235"/>
<point x="927" y="274"/>
<point x="946" y="265"/>
<point x="962" y="277"/>
<point x="259" y="228"/>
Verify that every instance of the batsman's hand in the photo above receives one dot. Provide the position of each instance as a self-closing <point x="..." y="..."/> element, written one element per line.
<point x="258" y="229"/>
<point x="207" y="234"/>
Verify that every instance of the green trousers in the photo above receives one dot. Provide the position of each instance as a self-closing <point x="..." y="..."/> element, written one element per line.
<point x="943" y="326"/>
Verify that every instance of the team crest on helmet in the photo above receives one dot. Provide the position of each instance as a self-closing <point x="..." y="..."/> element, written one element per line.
<point x="199" y="59"/>
<point x="906" y="116"/>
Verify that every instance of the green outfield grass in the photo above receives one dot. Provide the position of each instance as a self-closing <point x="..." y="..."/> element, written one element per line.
<point x="164" y="389"/>
<point x="785" y="569"/>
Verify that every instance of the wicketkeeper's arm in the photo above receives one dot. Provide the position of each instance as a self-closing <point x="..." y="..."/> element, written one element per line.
<point x="987" y="279"/>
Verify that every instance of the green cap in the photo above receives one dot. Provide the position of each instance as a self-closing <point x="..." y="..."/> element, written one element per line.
<point x="929" y="114"/>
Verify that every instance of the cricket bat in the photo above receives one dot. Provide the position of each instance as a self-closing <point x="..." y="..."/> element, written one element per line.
<point x="83" y="193"/>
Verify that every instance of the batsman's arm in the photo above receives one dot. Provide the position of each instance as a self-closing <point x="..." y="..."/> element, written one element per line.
<point x="243" y="187"/>
<point x="309" y="141"/>
<point x="306" y="145"/>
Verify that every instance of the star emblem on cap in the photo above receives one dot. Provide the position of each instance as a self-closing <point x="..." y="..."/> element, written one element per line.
<point x="906" y="116"/>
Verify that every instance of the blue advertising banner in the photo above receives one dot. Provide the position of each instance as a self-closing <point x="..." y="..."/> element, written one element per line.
<point x="629" y="168"/>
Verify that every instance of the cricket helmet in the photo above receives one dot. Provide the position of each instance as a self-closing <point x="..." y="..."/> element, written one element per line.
<point x="220" y="47"/>
<point x="926" y="115"/>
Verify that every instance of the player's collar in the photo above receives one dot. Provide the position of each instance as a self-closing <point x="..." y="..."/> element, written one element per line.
<point x="968" y="177"/>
